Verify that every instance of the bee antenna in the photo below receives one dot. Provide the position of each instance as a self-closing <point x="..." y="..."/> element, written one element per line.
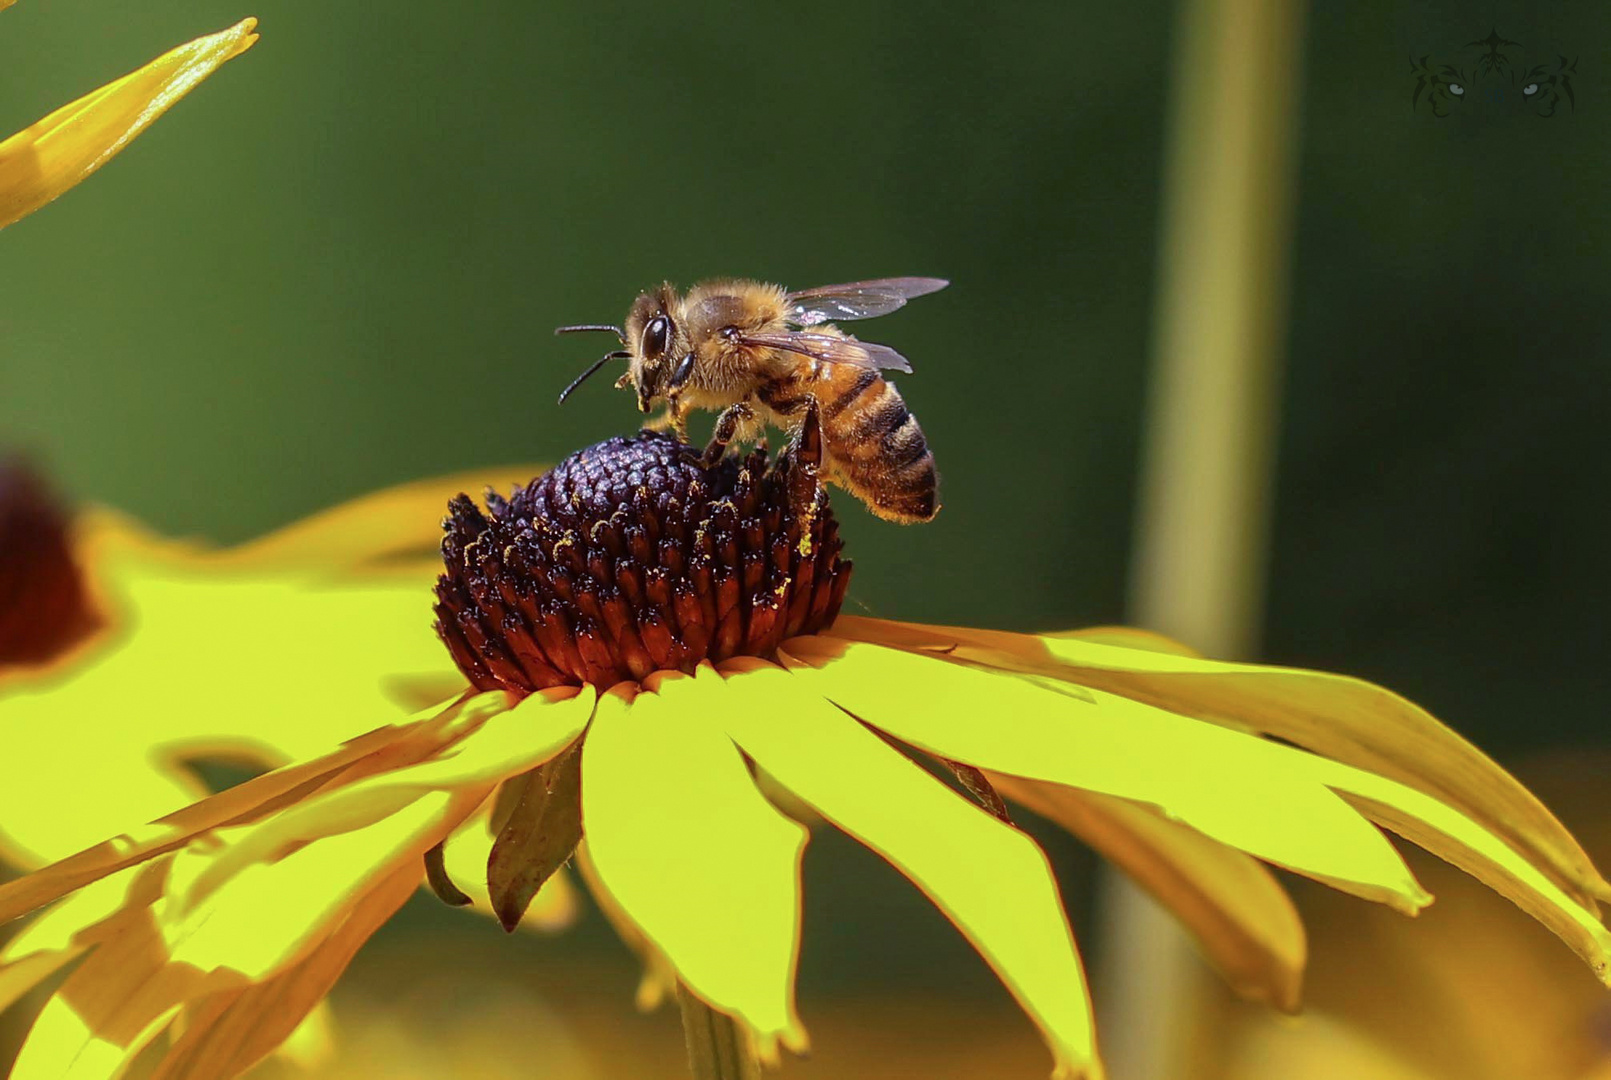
<point x="586" y="327"/>
<point x="619" y="354"/>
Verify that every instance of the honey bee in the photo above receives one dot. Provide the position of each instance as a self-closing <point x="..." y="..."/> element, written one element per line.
<point x="760" y="354"/>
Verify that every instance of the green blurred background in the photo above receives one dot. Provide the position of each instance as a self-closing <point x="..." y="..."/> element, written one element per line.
<point x="337" y="265"/>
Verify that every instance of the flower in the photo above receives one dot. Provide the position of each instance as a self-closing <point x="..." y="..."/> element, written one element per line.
<point x="644" y="637"/>
<point x="43" y="160"/>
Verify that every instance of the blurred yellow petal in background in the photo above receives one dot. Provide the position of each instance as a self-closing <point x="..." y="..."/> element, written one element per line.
<point x="158" y="689"/>
<point x="42" y="161"/>
<point x="247" y="635"/>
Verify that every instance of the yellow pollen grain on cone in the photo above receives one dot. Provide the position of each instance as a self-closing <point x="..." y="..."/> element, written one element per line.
<point x="42" y="161"/>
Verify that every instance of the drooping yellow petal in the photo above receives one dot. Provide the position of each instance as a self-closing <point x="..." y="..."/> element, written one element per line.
<point x="59" y="936"/>
<point x="1236" y="788"/>
<point x="232" y="1031"/>
<point x="250" y="959"/>
<point x="1241" y="917"/>
<point x="686" y="845"/>
<point x="989" y="878"/>
<point x="247" y="906"/>
<point x="120" y="998"/>
<point x="390" y="747"/>
<point x="1474" y="845"/>
<point x="266" y="915"/>
<point x="1449" y="834"/>
<point x="1343" y="718"/>
<point x="500" y="742"/>
<point x="42" y="161"/>
<point x="1129" y="637"/>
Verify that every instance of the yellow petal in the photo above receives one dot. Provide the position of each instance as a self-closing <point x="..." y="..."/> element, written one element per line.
<point x="989" y="878"/>
<point x="1356" y="722"/>
<point x="1241" y="917"/>
<point x="1128" y="637"/>
<point x="498" y="742"/>
<point x="1344" y="718"/>
<point x="389" y="526"/>
<point x="390" y="746"/>
<point x="267" y="915"/>
<point x="122" y="996"/>
<point x="132" y="987"/>
<point x="659" y="981"/>
<point x="61" y="934"/>
<point x="687" y="846"/>
<point x="1236" y="788"/>
<point x="61" y="1045"/>
<point x="1451" y="835"/>
<point x="41" y="162"/>
<point x="262" y="903"/>
<point x="227" y="1036"/>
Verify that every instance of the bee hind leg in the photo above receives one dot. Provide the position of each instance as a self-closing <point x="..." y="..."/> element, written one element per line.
<point x="803" y="459"/>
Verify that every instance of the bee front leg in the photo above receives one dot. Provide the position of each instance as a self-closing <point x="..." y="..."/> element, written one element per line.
<point x="734" y="418"/>
<point x="674" y="419"/>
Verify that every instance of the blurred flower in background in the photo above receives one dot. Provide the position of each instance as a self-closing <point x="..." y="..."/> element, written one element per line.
<point x="135" y="668"/>
<point x="220" y="926"/>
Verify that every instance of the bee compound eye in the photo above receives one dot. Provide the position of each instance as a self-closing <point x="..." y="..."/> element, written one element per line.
<point x="656" y="335"/>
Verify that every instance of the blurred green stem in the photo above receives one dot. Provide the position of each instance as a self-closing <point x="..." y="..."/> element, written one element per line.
<point x="1219" y="325"/>
<point x="718" y="1045"/>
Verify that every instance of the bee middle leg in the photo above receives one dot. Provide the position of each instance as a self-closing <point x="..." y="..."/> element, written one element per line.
<point x="735" y="421"/>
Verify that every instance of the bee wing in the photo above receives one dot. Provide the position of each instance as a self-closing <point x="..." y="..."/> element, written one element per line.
<point x="832" y="350"/>
<point x="857" y="299"/>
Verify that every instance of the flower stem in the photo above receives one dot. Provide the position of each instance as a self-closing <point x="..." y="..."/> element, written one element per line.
<point x="718" y="1046"/>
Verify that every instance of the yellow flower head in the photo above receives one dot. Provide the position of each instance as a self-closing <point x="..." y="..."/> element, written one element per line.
<point x="644" y="637"/>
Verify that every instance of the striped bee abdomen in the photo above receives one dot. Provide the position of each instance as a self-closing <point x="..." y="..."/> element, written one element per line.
<point x="875" y="448"/>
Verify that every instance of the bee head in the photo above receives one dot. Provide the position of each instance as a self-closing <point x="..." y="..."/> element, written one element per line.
<point x="662" y="358"/>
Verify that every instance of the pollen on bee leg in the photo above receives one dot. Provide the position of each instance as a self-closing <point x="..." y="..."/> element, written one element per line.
<point x="630" y="558"/>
